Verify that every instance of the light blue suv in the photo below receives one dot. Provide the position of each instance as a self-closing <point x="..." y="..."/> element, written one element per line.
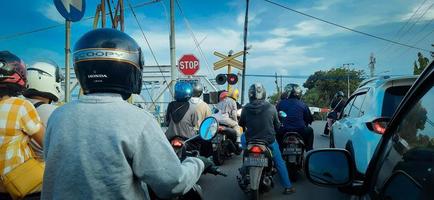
<point x="365" y="116"/>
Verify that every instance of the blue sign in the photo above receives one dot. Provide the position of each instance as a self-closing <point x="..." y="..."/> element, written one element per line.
<point x="71" y="10"/>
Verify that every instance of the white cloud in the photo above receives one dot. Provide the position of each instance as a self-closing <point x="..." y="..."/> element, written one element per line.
<point x="426" y="10"/>
<point x="325" y="4"/>
<point x="49" y="11"/>
<point x="306" y="28"/>
<point x="290" y="58"/>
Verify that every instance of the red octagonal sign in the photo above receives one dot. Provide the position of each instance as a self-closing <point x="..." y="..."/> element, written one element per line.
<point x="188" y="64"/>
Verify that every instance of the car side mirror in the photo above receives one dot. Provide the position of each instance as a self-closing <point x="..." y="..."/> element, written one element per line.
<point x="208" y="129"/>
<point x="329" y="167"/>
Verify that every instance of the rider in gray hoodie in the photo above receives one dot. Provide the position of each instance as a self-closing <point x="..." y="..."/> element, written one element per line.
<point x="101" y="147"/>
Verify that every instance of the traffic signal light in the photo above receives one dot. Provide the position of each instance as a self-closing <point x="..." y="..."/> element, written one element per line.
<point x="232" y="79"/>
<point x="221" y="79"/>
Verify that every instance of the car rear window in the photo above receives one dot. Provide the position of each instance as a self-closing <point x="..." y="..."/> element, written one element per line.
<point x="392" y="97"/>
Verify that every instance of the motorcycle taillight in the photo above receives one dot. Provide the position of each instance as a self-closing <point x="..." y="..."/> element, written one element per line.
<point x="176" y="143"/>
<point x="255" y="150"/>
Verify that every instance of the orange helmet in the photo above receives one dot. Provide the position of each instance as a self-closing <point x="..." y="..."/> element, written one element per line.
<point x="223" y="95"/>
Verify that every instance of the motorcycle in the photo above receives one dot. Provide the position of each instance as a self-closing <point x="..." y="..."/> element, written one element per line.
<point x="258" y="169"/>
<point x="222" y="146"/>
<point x="293" y="149"/>
<point x="181" y="145"/>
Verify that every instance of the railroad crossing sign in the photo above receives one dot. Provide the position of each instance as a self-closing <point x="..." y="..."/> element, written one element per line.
<point x="71" y="10"/>
<point x="228" y="60"/>
<point x="188" y="65"/>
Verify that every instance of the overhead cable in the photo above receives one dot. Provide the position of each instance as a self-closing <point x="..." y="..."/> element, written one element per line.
<point x="19" y="34"/>
<point x="346" y="28"/>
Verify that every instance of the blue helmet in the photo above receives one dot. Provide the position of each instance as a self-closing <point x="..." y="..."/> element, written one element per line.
<point x="183" y="91"/>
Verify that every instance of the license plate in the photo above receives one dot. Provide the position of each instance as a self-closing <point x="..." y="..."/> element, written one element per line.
<point x="292" y="151"/>
<point x="255" y="161"/>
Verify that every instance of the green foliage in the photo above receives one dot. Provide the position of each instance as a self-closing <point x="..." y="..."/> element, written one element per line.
<point x="273" y="99"/>
<point x="423" y="62"/>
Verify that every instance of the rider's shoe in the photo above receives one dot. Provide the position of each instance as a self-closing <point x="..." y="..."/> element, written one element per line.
<point x="289" y="190"/>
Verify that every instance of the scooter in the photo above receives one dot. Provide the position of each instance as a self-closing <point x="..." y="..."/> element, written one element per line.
<point x="207" y="131"/>
<point x="293" y="148"/>
<point x="222" y="146"/>
<point x="258" y="169"/>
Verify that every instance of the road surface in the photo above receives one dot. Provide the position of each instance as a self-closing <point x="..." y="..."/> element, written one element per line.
<point x="219" y="188"/>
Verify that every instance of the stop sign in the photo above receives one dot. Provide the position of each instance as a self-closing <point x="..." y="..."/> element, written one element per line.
<point x="188" y="64"/>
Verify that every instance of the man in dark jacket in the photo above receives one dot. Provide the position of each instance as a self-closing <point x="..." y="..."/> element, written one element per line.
<point x="260" y="121"/>
<point x="298" y="116"/>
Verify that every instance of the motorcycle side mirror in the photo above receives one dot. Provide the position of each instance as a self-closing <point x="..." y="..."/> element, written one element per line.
<point x="282" y="114"/>
<point x="208" y="129"/>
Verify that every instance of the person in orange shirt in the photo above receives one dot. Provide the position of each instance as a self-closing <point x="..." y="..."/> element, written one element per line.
<point x="19" y="120"/>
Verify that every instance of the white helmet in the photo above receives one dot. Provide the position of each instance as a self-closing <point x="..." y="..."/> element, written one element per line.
<point x="43" y="79"/>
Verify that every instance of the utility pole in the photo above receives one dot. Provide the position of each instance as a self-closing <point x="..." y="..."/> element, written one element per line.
<point x="372" y="62"/>
<point x="246" y="21"/>
<point x="67" y="56"/>
<point x="348" y="77"/>
<point x="172" y="48"/>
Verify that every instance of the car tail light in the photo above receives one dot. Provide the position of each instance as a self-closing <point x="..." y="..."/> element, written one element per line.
<point x="255" y="149"/>
<point x="221" y="128"/>
<point x="176" y="143"/>
<point x="378" y="125"/>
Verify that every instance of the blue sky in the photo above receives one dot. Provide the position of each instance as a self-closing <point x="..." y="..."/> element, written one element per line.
<point x="282" y="42"/>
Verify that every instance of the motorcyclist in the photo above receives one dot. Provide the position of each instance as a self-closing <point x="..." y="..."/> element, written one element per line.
<point x="337" y="105"/>
<point x="102" y="147"/>
<point x="227" y="116"/>
<point x="19" y="121"/>
<point x="202" y="109"/>
<point x="298" y="116"/>
<point x="259" y="119"/>
<point x="181" y="116"/>
<point x="43" y="89"/>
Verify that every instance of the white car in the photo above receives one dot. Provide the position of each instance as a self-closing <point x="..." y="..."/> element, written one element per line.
<point x="365" y="116"/>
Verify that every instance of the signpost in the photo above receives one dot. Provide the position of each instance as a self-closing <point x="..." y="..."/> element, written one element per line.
<point x="188" y="65"/>
<point x="72" y="11"/>
<point x="229" y="61"/>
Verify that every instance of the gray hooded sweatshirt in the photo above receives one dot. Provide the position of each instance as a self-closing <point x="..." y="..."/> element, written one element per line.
<point x="101" y="147"/>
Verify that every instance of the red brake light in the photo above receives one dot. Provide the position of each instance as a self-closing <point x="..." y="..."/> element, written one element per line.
<point x="220" y="129"/>
<point x="176" y="143"/>
<point x="379" y="127"/>
<point x="255" y="149"/>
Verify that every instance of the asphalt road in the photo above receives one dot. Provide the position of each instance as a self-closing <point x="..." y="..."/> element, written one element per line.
<point x="218" y="187"/>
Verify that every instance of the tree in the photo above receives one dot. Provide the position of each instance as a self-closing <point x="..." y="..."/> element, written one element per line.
<point x="323" y="85"/>
<point x="423" y="62"/>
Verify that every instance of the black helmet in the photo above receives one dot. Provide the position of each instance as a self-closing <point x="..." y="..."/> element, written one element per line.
<point x="293" y="90"/>
<point x="108" y="60"/>
<point x="257" y="92"/>
<point x="339" y="94"/>
<point x="197" y="89"/>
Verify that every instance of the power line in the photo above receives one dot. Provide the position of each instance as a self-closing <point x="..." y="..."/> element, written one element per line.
<point x="150" y="48"/>
<point x="346" y="28"/>
<point x="194" y="38"/>
<point x="387" y="47"/>
<point x="19" y="34"/>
